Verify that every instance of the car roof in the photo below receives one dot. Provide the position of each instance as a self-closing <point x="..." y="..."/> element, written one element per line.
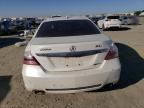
<point x="66" y="18"/>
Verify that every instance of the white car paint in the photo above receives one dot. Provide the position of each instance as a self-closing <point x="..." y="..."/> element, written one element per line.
<point x="70" y="64"/>
<point x="107" y="22"/>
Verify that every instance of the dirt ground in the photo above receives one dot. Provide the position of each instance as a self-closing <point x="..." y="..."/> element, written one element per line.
<point x="128" y="93"/>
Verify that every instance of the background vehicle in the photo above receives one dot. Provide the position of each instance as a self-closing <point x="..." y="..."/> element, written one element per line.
<point x="129" y="20"/>
<point x="69" y="55"/>
<point x="95" y="19"/>
<point x="109" y="22"/>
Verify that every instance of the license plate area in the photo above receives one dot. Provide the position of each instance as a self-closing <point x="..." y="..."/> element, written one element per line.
<point x="73" y="62"/>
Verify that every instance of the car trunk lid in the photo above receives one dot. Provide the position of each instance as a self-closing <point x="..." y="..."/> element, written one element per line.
<point x="70" y="53"/>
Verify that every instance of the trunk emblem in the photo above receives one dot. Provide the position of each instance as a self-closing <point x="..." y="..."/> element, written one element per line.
<point x="73" y="48"/>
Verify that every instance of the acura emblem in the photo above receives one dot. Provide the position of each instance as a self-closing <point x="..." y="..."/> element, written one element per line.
<point x="72" y="48"/>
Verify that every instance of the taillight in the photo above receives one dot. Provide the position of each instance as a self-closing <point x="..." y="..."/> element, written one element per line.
<point x="29" y="59"/>
<point x="113" y="53"/>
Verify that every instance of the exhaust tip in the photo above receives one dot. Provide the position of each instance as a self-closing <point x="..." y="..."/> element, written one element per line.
<point x="39" y="92"/>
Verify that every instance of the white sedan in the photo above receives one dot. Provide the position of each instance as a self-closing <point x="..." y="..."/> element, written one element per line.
<point x="68" y="55"/>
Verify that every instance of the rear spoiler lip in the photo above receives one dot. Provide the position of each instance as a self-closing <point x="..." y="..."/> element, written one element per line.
<point x="73" y="54"/>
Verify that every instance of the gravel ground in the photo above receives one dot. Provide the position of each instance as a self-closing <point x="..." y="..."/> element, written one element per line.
<point x="128" y="93"/>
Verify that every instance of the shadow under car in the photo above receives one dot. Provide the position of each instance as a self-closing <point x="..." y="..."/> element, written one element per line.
<point x="132" y="68"/>
<point x="4" y="86"/>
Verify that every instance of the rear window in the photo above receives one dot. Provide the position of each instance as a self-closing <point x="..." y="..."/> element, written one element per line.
<point x="67" y="28"/>
<point x="113" y="17"/>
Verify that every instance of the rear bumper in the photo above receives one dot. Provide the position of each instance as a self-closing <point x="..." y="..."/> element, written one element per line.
<point x="70" y="82"/>
<point x="113" y="26"/>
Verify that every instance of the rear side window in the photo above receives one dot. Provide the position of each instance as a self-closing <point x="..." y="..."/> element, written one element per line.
<point x="113" y="17"/>
<point x="67" y="28"/>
